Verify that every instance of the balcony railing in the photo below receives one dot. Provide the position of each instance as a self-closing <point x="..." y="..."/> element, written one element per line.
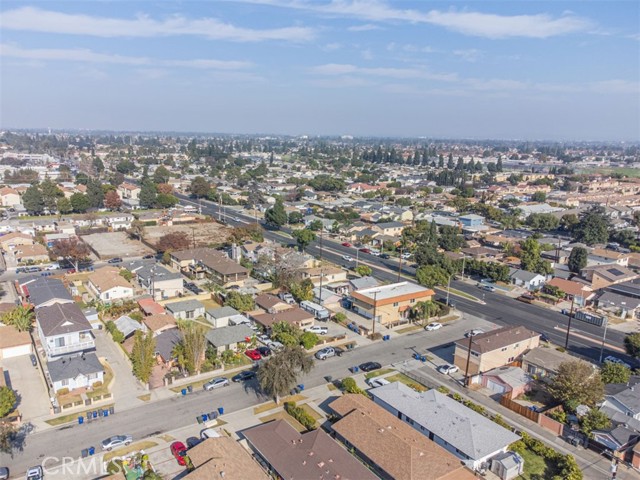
<point x="74" y="347"/>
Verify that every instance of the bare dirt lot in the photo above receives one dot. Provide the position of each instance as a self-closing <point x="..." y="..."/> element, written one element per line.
<point x="115" y="244"/>
<point x="205" y="234"/>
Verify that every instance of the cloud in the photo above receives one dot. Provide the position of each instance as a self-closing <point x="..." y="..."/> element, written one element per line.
<point x="469" y="55"/>
<point x="88" y="56"/>
<point x="337" y="69"/>
<point x="330" y="47"/>
<point x="363" y="28"/>
<point x="37" y="20"/>
<point x="471" y="23"/>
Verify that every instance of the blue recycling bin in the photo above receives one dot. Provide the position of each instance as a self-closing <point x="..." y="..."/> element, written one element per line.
<point x="80" y="420"/>
<point x="301" y="387"/>
<point x="356" y="369"/>
<point x="95" y="414"/>
<point x="92" y="450"/>
<point x="220" y="410"/>
<point x="183" y="391"/>
<point x="423" y="358"/>
<point x="205" y="417"/>
<point x="105" y="413"/>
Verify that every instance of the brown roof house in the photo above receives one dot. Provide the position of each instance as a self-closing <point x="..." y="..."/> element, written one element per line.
<point x="205" y="262"/>
<point x="271" y="304"/>
<point x="108" y="285"/>
<point x="293" y="455"/>
<point x="222" y="458"/>
<point x="159" y="323"/>
<point x="602" y="276"/>
<point x="494" y="349"/>
<point x="11" y="240"/>
<point x="393" y="448"/>
<point x="295" y="316"/>
<point x="575" y="291"/>
<point x="31" y="253"/>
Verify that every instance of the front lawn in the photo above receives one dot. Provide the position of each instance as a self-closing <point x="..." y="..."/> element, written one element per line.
<point x="106" y="381"/>
<point x="537" y="467"/>
<point x="377" y="373"/>
<point x="402" y="378"/>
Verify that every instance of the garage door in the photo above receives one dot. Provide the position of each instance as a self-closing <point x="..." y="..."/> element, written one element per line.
<point x="10" y="352"/>
<point x="495" y="387"/>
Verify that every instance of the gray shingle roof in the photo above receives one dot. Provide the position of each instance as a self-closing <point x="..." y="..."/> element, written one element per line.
<point x="184" y="306"/>
<point x="222" y="312"/>
<point x="220" y="337"/>
<point x="46" y="289"/>
<point x="471" y="433"/>
<point x="71" y="367"/>
<point x="364" y="282"/>
<point x="166" y="341"/>
<point x="127" y="325"/>
<point x="61" y="318"/>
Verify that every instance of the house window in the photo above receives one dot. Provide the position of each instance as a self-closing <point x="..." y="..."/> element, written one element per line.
<point x="475" y="354"/>
<point x="59" y="342"/>
<point x="503" y="349"/>
<point x="413" y="300"/>
<point x="190" y="314"/>
<point x="408" y="420"/>
<point x="91" y="376"/>
<point x="395" y="304"/>
<point x="64" y="382"/>
<point x="511" y="359"/>
<point x="516" y="345"/>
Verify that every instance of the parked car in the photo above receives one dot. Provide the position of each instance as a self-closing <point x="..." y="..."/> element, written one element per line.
<point x="365" y="250"/>
<point x="214" y="383"/>
<point x="325" y="353"/>
<point x="346" y="244"/>
<point x="179" y="451"/>
<point x="526" y="298"/>
<point x="369" y="366"/>
<point x="209" y="433"/>
<point x="406" y="256"/>
<point x="71" y="271"/>
<point x="114" y="260"/>
<point x="243" y="376"/>
<point x="489" y="288"/>
<point x="264" y="338"/>
<point x="447" y="369"/>
<point x="33" y="269"/>
<point x="34" y="361"/>
<point x="35" y="473"/>
<point x="612" y="359"/>
<point x="53" y="266"/>
<point x="433" y="326"/>
<point x="4" y="473"/>
<point x="21" y="270"/>
<point x="377" y="382"/>
<point x="147" y="257"/>
<point x="317" y="330"/>
<point x="473" y="333"/>
<point x="347" y="258"/>
<point x="193" y="441"/>
<point x="116" y="441"/>
<point x="444" y="301"/>
<point x="264" y="351"/>
<point x="253" y="355"/>
<point x="287" y="297"/>
<point x="544" y="338"/>
<point x="275" y="346"/>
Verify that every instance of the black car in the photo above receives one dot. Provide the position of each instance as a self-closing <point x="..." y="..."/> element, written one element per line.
<point x="544" y="338"/>
<point x="146" y="257"/>
<point x="115" y="260"/>
<point x="243" y="376"/>
<point x="385" y="256"/>
<point x="193" y="441"/>
<point x="369" y="366"/>
<point x="264" y="351"/>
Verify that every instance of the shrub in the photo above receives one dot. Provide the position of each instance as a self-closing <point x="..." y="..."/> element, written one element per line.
<point x="97" y="384"/>
<point x="63" y="391"/>
<point x="375" y="336"/>
<point x="340" y="317"/>
<point x="299" y="413"/>
<point x="349" y="386"/>
<point x="444" y="390"/>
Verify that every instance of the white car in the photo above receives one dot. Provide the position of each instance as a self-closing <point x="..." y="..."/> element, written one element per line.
<point x="406" y="256"/>
<point x="612" y="359"/>
<point x="473" y="333"/>
<point x="433" y="326"/>
<point x="447" y="369"/>
<point x="53" y="266"/>
<point x="377" y="382"/>
<point x="264" y="338"/>
<point x="116" y="441"/>
<point x="347" y="258"/>
<point x="325" y="353"/>
<point x="275" y="346"/>
<point x="216" y="383"/>
<point x="317" y="330"/>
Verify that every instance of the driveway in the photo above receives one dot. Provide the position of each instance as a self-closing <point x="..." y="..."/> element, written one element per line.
<point x="26" y="380"/>
<point x="125" y="388"/>
<point x="165" y="463"/>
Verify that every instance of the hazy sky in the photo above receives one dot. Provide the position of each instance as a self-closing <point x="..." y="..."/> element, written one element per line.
<point x="507" y="69"/>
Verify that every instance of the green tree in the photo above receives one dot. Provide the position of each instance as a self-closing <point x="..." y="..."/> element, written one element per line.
<point x="316" y="225"/>
<point x="7" y="401"/>
<point x="309" y="340"/>
<point x="164" y="200"/>
<point x="632" y="344"/>
<point x="33" y="201"/>
<point x="593" y="226"/>
<point x="98" y="166"/>
<point x="276" y="216"/>
<point x="285" y="333"/>
<point x="530" y="259"/>
<point x="280" y="372"/>
<point x="349" y="385"/>
<point x="194" y="342"/>
<point x="304" y="237"/>
<point x="20" y="317"/>
<point x="539" y="196"/>
<point x="302" y="291"/>
<point x="79" y="202"/>
<point x="71" y="249"/>
<point x="50" y="194"/>
<point x="243" y="302"/>
<point x="594" y="420"/>
<point x="143" y="355"/>
<point x="95" y="194"/>
<point x="577" y="382"/>
<point x="569" y="221"/>
<point x="423" y="311"/>
<point x="363" y="270"/>
<point x="7" y="437"/>
<point x="577" y="259"/>
<point x="543" y="222"/>
<point x="199" y="187"/>
<point x="450" y="238"/>
<point x="148" y="193"/>
<point x="295" y="217"/>
<point x="64" y="206"/>
<point x="161" y="175"/>
<point x="615" y="373"/>
<point x="432" y="275"/>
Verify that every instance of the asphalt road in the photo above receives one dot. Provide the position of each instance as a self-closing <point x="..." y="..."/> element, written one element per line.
<point x="584" y="339"/>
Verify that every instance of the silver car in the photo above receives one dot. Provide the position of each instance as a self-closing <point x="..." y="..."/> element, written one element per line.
<point x="325" y="353"/>
<point x="116" y="441"/>
<point x="216" y="383"/>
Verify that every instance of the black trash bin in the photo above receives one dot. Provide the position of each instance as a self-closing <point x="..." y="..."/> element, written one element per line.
<point x="190" y="389"/>
<point x="328" y="379"/>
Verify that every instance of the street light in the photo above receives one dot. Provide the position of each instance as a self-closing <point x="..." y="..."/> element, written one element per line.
<point x="566" y="341"/>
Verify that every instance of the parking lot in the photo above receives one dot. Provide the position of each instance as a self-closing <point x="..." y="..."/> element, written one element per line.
<point x="26" y="380"/>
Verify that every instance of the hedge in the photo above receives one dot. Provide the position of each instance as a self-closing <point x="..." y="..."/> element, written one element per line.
<point x="300" y="415"/>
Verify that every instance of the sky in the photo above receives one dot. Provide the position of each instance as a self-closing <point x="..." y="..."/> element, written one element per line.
<point x="514" y="69"/>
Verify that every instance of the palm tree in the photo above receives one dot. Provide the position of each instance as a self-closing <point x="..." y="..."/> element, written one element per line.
<point x="424" y="311"/>
<point x="20" y="317"/>
<point x="279" y="374"/>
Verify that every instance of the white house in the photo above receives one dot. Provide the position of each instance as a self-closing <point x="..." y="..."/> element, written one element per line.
<point x="465" y="433"/>
<point x="108" y="285"/>
<point x="63" y="329"/>
<point x="528" y="280"/>
<point x="81" y="371"/>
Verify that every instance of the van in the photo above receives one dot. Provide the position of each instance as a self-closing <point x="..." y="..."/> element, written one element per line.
<point x="318" y="311"/>
<point x="287" y="297"/>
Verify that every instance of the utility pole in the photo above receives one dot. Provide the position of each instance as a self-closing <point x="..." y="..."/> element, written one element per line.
<point x="566" y="342"/>
<point x="357" y="256"/>
<point x="448" y="289"/>
<point x="464" y="259"/>
<point x="466" y="370"/>
<point x="604" y="338"/>
<point x="400" y="264"/>
<point x="375" y="305"/>
<point x="320" y="294"/>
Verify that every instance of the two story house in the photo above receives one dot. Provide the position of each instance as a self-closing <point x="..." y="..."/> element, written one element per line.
<point x="63" y="330"/>
<point x="159" y="282"/>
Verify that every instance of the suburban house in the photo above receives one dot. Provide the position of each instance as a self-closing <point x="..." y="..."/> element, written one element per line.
<point x="12" y="240"/>
<point x="361" y="283"/>
<point x="130" y="195"/>
<point x="314" y="454"/>
<point x="393" y="449"/>
<point x="625" y="401"/>
<point x="9" y="197"/>
<point x="63" y="329"/>
<point x="108" y="285"/>
<point x="618" y="305"/>
<point x="511" y="381"/>
<point x="391" y="303"/>
<point x="458" y="429"/>
<point x="81" y="371"/>
<point x="221" y="458"/>
<point x="30" y="253"/>
<point x="165" y="344"/>
<point x="602" y="276"/>
<point x="294" y="316"/>
<point x="324" y="275"/>
<point x="620" y="439"/>
<point x="471" y="220"/>
<point x="524" y="279"/>
<point x="159" y="323"/>
<point x="392" y="229"/>
<point x="603" y="256"/>
<point x="14" y="343"/>
<point x="44" y="291"/>
<point x="128" y="326"/>
<point x="325" y="296"/>
<point x="204" y="262"/>
<point x="223" y="316"/>
<point x="186" y="309"/>
<point x="228" y="338"/>
<point x="159" y="282"/>
<point x="543" y="363"/>
<point x="150" y="307"/>
<point x="494" y="349"/>
<point x="271" y="304"/>
<point x="577" y="292"/>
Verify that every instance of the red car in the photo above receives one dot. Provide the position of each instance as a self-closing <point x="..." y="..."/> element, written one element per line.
<point x="71" y="271"/>
<point x="179" y="451"/>
<point x="365" y="250"/>
<point x="253" y="354"/>
<point x="346" y="244"/>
